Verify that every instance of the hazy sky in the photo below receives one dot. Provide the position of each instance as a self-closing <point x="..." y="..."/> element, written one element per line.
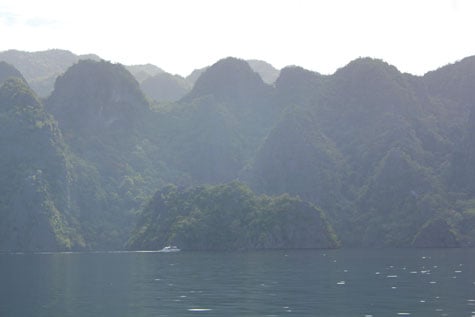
<point x="181" y="35"/>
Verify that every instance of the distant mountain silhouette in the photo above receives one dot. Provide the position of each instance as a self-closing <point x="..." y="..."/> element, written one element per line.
<point x="165" y="87"/>
<point x="41" y="68"/>
<point x="8" y="71"/>
<point x="267" y="72"/>
<point x="143" y="72"/>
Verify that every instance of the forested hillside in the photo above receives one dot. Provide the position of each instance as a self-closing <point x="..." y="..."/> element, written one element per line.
<point x="367" y="156"/>
<point x="230" y="217"/>
<point x="35" y="197"/>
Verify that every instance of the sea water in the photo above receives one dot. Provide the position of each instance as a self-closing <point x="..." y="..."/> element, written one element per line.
<point x="339" y="283"/>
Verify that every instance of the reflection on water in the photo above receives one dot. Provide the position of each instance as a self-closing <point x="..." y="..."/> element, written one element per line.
<point x="326" y="283"/>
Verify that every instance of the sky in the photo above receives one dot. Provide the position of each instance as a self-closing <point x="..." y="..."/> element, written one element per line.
<point x="179" y="36"/>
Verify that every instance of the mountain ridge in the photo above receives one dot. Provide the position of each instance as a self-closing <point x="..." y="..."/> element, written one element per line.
<point x="386" y="155"/>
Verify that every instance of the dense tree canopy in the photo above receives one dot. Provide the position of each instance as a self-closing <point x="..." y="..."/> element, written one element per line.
<point x="230" y="217"/>
<point x="388" y="156"/>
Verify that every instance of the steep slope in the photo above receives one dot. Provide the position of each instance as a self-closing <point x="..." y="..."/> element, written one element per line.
<point x="165" y="87"/>
<point x="202" y="139"/>
<point x="297" y="158"/>
<point x="36" y="184"/>
<point x="97" y="98"/>
<point x="216" y="129"/>
<point x="296" y="86"/>
<point x="453" y="82"/>
<point x="267" y="72"/>
<point x="105" y="120"/>
<point x="362" y="116"/>
<point x="401" y="196"/>
<point x="232" y="83"/>
<point x="369" y="107"/>
<point x="194" y="75"/>
<point x="462" y="176"/>
<point x="230" y="80"/>
<point x="390" y="143"/>
<point x="383" y="128"/>
<point x="342" y="143"/>
<point x="453" y="86"/>
<point x="230" y="217"/>
<point x="41" y="68"/>
<point x="143" y="72"/>
<point x="8" y="71"/>
<point x="387" y="155"/>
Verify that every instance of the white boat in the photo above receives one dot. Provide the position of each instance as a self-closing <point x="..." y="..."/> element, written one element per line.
<point x="170" y="248"/>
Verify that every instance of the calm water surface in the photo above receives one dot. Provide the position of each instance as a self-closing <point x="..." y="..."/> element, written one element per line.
<point x="402" y="282"/>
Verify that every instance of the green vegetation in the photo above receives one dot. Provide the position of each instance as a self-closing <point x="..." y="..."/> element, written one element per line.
<point x="229" y="217"/>
<point x="35" y="211"/>
<point x="388" y="157"/>
<point x="105" y="119"/>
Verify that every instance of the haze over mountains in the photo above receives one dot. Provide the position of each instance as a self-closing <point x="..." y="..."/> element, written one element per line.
<point x="368" y="156"/>
<point x="42" y="68"/>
